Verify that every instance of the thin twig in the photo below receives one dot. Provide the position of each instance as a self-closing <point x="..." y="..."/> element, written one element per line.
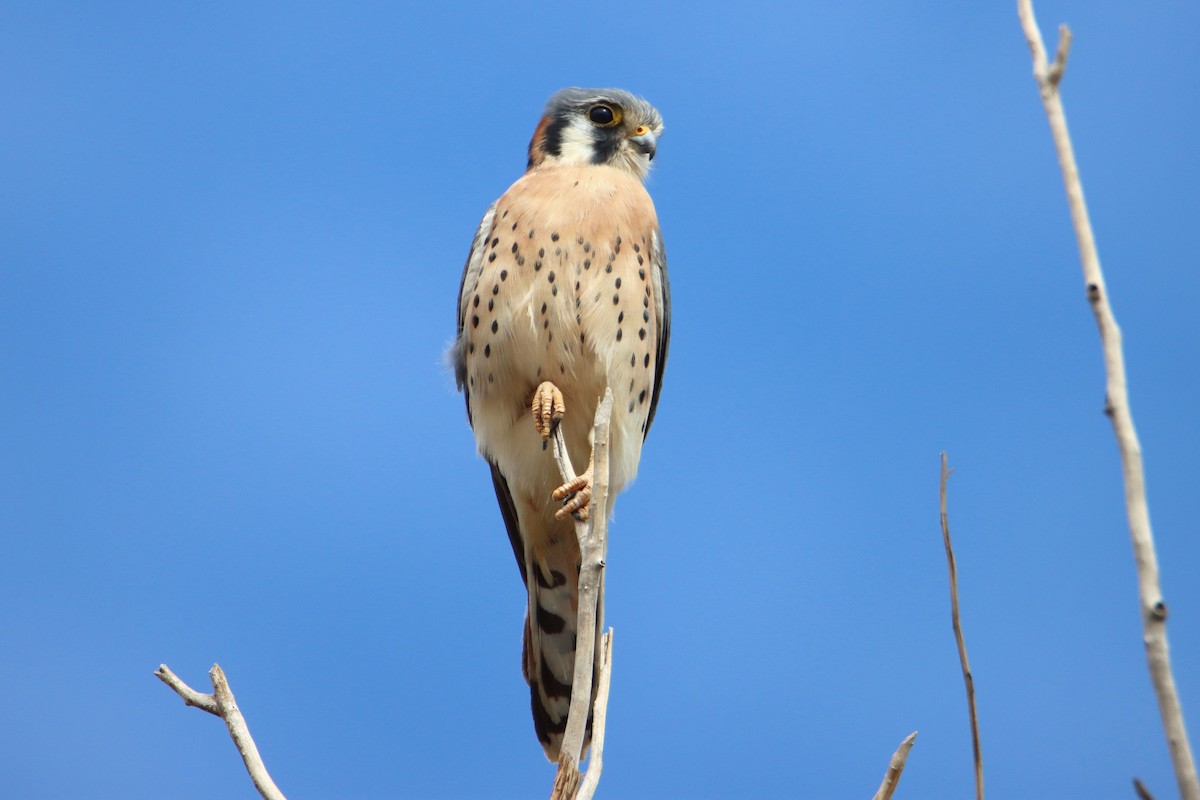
<point x="561" y="457"/>
<point x="1153" y="607"/>
<point x="891" y="778"/>
<point x="204" y="702"/>
<point x="593" y="546"/>
<point x="599" y="715"/>
<point x="1142" y="792"/>
<point x="968" y="680"/>
<point x="1055" y="70"/>
<point x="222" y="703"/>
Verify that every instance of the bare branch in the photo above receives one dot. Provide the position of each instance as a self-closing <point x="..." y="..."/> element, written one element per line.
<point x="222" y="703"/>
<point x="562" y="458"/>
<point x="593" y="547"/>
<point x="204" y="702"/>
<point x="968" y="680"/>
<point x="566" y="778"/>
<point x="1142" y="792"/>
<point x="1055" y="71"/>
<point x="891" y="778"/>
<point x="241" y="736"/>
<point x="1153" y="607"/>
<point x="599" y="715"/>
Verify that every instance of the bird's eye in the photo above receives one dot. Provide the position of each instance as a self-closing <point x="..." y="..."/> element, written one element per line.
<point x="604" y="116"/>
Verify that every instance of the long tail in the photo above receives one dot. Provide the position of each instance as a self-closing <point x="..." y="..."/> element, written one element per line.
<point x="548" y="652"/>
<point x="548" y="555"/>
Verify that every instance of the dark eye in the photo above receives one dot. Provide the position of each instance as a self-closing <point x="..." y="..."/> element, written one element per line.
<point x="602" y="115"/>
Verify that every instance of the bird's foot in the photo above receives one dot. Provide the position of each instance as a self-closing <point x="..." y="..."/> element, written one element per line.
<point x="576" y="497"/>
<point x="548" y="408"/>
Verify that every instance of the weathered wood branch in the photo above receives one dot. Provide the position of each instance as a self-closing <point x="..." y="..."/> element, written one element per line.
<point x="1153" y="608"/>
<point x="589" y="661"/>
<point x="222" y="704"/>
<point x="587" y="788"/>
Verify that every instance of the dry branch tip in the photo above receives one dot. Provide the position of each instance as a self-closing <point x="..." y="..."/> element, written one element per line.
<point x="1054" y="73"/>
<point x="891" y="778"/>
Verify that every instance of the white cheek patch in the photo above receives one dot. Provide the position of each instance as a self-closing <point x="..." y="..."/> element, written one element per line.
<point x="635" y="162"/>
<point x="577" y="145"/>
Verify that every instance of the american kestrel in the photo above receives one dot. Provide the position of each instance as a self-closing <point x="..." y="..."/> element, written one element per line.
<point x="564" y="293"/>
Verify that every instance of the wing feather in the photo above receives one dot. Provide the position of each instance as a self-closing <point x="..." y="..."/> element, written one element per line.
<point x="466" y="289"/>
<point x="662" y="303"/>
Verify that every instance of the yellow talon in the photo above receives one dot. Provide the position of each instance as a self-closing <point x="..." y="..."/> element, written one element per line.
<point x="548" y="408"/>
<point x="576" y="496"/>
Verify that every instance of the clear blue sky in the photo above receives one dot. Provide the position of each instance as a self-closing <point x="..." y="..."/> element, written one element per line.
<point x="231" y="236"/>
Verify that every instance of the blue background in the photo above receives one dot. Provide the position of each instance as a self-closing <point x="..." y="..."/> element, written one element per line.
<point x="231" y="236"/>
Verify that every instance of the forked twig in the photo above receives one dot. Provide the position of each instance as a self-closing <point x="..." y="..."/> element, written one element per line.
<point x="222" y="704"/>
<point x="968" y="680"/>
<point x="1153" y="607"/>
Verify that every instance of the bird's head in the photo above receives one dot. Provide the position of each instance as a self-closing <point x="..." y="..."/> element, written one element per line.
<point x="597" y="126"/>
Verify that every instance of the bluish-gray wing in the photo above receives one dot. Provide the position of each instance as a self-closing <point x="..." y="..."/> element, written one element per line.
<point x="458" y="356"/>
<point x="662" y="303"/>
<point x="466" y="289"/>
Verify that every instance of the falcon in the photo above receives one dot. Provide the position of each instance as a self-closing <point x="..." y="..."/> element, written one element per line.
<point x="564" y="293"/>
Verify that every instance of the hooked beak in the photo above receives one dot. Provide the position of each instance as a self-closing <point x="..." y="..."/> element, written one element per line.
<point x="644" y="141"/>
